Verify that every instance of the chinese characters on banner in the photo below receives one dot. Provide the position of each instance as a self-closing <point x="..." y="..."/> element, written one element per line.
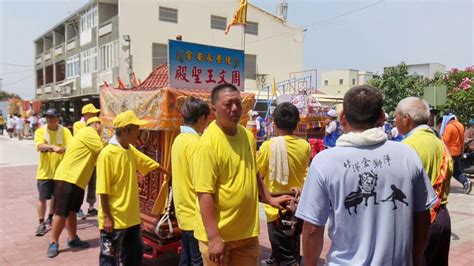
<point x="196" y="66"/>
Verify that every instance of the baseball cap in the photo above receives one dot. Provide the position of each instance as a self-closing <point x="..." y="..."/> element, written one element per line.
<point x="51" y="112"/>
<point x="92" y="120"/>
<point x="128" y="118"/>
<point x="89" y="108"/>
<point x="471" y="122"/>
<point x="332" y="113"/>
<point x="254" y="113"/>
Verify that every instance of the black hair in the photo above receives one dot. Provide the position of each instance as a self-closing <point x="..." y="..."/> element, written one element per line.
<point x="286" y="116"/>
<point x="193" y="109"/>
<point x="219" y="88"/>
<point x="362" y="106"/>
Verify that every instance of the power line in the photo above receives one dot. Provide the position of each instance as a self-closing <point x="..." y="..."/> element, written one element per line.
<point x="15" y="65"/>
<point x="17" y="81"/>
<point x="322" y="21"/>
<point x="19" y="71"/>
<point x="344" y="14"/>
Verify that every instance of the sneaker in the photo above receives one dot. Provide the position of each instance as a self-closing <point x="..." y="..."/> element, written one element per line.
<point x="92" y="212"/>
<point x="468" y="187"/>
<point x="80" y="215"/>
<point x="268" y="261"/>
<point x="41" y="230"/>
<point x="77" y="243"/>
<point x="49" y="223"/>
<point x="53" y="250"/>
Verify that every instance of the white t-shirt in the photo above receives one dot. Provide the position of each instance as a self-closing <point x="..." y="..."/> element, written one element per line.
<point x="19" y="123"/>
<point x="331" y="127"/>
<point x="368" y="197"/>
<point x="10" y="122"/>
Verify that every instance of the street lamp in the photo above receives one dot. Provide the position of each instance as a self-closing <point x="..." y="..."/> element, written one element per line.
<point x="129" y="60"/>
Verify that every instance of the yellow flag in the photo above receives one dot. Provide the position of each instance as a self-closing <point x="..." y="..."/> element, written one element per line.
<point x="274" y="88"/>
<point x="240" y="16"/>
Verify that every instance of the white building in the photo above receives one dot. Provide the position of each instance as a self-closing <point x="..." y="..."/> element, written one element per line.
<point x="338" y="82"/>
<point x="427" y="70"/>
<point x="93" y="44"/>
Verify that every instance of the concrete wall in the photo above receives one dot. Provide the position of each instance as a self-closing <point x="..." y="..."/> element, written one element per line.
<point x="333" y="77"/>
<point x="276" y="56"/>
<point x="426" y="70"/>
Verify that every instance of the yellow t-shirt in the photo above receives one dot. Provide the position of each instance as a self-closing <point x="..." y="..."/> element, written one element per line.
<point x="430" y="149"/>
<point x="184" y="196"/>
<point x="77" y="127"/>
<point x="225" y="166"/>
<point x="49" y="161"/>
<point x="117" y="177"/>
<point x="299" y="155"/>
<point x="79" y="161"/>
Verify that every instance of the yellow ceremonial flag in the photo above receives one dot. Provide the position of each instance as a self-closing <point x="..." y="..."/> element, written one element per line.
<point x="240" y="16"/>
<point x="274" y="88"/>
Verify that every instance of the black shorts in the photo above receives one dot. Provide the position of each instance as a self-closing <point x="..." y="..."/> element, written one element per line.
<point x="45" y="188"/>
<point x="67" y="198"/>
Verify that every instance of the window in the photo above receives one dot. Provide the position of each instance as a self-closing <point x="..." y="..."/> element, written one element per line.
<point x="108" y="56"/>
<point x="159" y="54"/>
<point x="326" y="82"/>
<point x="251" y="28"/>
<point x="89" y="19"/>
<point x="353" y="81"/>
<point x="72" y="67"/>
<point x="341" y="81"/>
<point x="218" y="23"/>
<point x="250" y="66"/>
<point x="89" y="61"/>
<point x="168" y="14"/>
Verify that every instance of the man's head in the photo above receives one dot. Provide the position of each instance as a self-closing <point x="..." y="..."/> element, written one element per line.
<point x="227" y="105"/>
<point x="286" y="117"/>
<point x="94" y="122"/>
<point x="254" y="115"/>
<point x="332" y="114"/>
<point x="89" y="111"/>
<point x="127" y="127"/>
<point x="471" y="123"/>
<point x="195" y="112"/>
<point x="52" y="118"/>
<point x="410" y="113"/>
<point x="362" y="109"/>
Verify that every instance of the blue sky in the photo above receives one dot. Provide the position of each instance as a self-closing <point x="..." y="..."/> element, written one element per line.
<point x="438" y="31"/>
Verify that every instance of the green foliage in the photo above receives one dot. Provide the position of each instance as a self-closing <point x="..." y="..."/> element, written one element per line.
<point x="460" y="94"/>
<point x="6" y="95"/>
<point x="396" y="84"/>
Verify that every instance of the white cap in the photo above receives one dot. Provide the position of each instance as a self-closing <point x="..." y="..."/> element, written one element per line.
<point x="254" y="113"/>
<point x="332" y="113"/>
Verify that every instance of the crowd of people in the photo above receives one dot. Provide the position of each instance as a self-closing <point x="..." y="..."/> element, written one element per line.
<point x="384" y="202"/>
<point x="20" y="127"/>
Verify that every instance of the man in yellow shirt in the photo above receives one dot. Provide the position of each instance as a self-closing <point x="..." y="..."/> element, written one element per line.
<point x="412" y="116"/>
<point x="195" y="112"/>
<point x="88" y="111"/>
<point x="227" y="186"/>
<point x="51" y="141"/>
<point x="282" y="163"/>
<point x="117" y="186"/>
<point x="70" y="180"/>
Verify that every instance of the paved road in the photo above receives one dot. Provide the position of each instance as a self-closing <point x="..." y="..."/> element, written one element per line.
<point x="19" y="246"/>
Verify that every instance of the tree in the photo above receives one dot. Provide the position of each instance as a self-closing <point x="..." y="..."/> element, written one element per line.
<point x="396" y="84"/>
<point x="460" y="95"/>
<point x="7" y="95"/>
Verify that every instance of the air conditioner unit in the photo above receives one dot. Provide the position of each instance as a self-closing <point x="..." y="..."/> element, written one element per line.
<point x="67" y="90"/>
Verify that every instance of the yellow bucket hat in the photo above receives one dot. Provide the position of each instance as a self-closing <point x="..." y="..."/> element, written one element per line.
<point x="128" y="118"/>
<point x="89" y="108"/>
<point x="92" y="120"/>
